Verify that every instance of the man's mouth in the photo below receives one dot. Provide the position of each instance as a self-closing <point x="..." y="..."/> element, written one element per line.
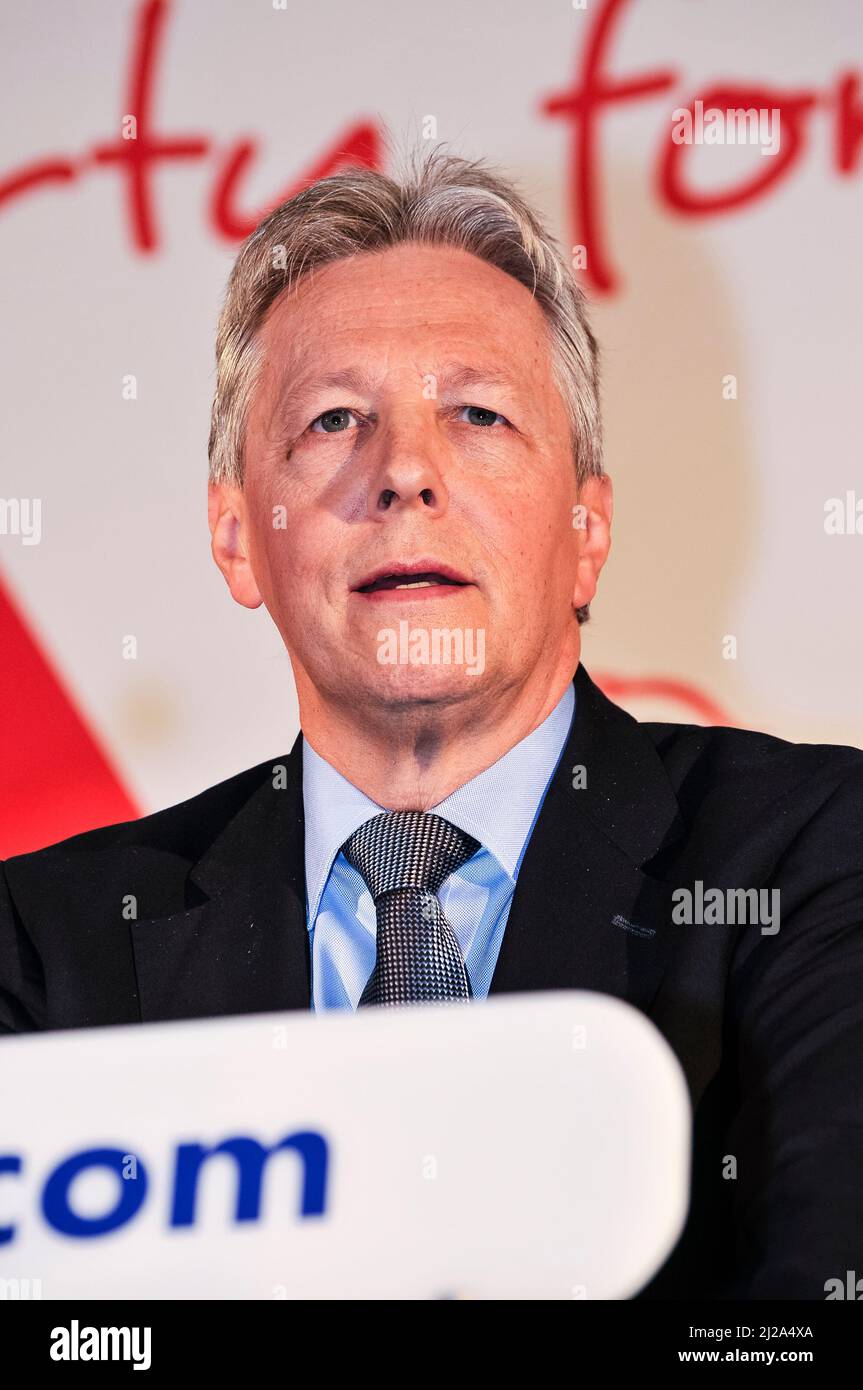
<point x="411" y="579"/>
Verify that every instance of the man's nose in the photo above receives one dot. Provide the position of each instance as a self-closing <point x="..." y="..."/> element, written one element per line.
<point x="409" y="477"/>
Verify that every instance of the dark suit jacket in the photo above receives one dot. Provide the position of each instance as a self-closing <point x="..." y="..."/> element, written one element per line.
<point x="768" y="1028"/>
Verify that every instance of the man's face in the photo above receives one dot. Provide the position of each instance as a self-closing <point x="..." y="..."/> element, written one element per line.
<point x="409" y="485"/>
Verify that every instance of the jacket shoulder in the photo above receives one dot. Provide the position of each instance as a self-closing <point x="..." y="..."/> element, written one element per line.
<point x="66" y="911"/>
<point x="183" y="830"/>
<point x="752" y="767"/>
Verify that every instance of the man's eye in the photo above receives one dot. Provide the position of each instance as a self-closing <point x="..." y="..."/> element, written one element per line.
<point x="478" y="415"/>
<point x="333" y="421"/>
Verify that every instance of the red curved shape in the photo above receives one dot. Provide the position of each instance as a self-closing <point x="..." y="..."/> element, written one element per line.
<point x="665" y="688"/>
<point x="56" y="779"/>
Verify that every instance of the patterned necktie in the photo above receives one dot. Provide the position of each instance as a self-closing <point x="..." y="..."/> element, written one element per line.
<point x="404" y="857"/>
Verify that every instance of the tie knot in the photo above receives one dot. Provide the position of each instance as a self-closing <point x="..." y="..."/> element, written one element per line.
<point x="407" y="849"/>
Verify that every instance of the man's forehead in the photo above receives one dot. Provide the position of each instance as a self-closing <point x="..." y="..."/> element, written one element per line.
<point x="409" y="309"/>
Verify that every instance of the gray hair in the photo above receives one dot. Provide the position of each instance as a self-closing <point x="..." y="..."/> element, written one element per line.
<point x="440" y="200"/>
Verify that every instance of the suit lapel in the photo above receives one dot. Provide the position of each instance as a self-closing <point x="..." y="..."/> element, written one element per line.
<point x="585" y="915"/>
<point x="244" y="948"/>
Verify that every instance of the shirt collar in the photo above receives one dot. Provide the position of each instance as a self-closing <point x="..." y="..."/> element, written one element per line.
<point x="334" y="808"/>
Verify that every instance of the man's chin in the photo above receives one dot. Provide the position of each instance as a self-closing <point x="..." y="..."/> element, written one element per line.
<point x="404" y="687"/>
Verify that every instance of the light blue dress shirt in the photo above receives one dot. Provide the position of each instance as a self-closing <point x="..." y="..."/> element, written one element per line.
<point x="498" y="808"/>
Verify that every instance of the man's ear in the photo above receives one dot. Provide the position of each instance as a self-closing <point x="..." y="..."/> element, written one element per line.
<point x="226" y="513"/>
<point x="593" y="535"/>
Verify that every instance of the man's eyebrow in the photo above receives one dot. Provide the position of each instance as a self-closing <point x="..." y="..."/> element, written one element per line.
<point x="456" y="374"/>
<point x="450" y="376"/>
<point x="292" y="391"/>
<point x="351" y="378"/>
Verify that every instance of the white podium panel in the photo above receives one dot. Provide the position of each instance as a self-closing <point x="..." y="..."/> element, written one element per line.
<point x="526" y="1146"/>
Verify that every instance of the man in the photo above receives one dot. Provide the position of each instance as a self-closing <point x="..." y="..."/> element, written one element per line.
<point x="406" y="470"/>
